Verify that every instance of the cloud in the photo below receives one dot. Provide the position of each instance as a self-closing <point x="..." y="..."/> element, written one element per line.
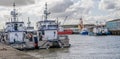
<point x="18" y="2"/>
<point x="73" y="10"/>
<point x="62" y="8"/>
<point x="82" y="7"/>
<point x="79" y="9"/>
<point x="109" y="5"/>
<point x="76" y="10"/>
<point x="58" y="8"/>
<point x="112" y="7"/>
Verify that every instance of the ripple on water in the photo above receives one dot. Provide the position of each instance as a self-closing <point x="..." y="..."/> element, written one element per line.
<point x="84" y="47"/>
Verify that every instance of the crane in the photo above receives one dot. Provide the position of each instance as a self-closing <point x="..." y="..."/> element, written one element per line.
<point x="65" y="20"/>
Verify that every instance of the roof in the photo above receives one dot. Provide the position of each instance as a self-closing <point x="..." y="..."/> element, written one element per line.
<point x="46" y="21"/>
<point x="78" y="24"/>
<point x="13" y="22"/>
<point x="114" y="20"/>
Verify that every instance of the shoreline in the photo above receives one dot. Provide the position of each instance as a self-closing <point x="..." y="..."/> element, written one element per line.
<point x="7" y="52"/>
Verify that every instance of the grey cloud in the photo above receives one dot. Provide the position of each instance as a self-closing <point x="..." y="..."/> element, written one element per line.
<point x="18" y="2"/>
<point x="61" y="6"/>
<point x="110" y="5"/>
<point x="73" y="10"/>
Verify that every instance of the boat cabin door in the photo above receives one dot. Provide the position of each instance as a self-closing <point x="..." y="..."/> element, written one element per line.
<point x="35" y="41"/>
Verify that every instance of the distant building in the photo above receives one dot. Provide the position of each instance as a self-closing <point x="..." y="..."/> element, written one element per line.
<point x="114" y="26"/>
<point x="89" y="26"/>
<point x="76" y="26"/>
<point x="70" y="26"/>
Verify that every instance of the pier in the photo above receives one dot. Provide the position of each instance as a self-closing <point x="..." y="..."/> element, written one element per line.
<point x="7" y="52"/>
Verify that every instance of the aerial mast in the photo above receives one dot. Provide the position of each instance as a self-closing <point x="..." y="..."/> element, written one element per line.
<point x="13" y="13"/>
<point x="46" y="13"/>
<point x="29" y="22"/>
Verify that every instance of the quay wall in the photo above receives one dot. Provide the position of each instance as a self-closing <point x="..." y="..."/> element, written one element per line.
<point x="115" y="32"/>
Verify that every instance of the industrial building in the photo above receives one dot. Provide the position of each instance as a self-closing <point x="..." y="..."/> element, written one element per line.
<point x="76" y="28"/>
<point x="114" y="26"/>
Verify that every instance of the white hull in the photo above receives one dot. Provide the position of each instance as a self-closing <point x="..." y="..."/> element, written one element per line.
<point x="62" y="42"/>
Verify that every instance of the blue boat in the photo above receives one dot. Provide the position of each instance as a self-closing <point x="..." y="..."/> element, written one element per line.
<point x="84" y="31"/>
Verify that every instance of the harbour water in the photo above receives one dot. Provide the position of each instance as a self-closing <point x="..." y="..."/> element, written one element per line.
<point x="83" y="47"/>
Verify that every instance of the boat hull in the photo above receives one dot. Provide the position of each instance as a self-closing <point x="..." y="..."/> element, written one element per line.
<point x="61" y="42"/>
<point x="65" y="32"/>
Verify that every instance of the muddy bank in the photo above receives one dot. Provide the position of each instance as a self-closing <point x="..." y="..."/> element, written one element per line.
<point x="7" y="52"/>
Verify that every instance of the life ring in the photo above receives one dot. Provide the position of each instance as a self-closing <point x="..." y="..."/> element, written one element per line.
<point x="29" y="35"/>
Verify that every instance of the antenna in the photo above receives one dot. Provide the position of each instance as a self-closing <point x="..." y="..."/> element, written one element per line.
<point x="46" y="13"/>
<point x="57" y="20"/>
<point x="11" y="20"/>
<point x="29" y="22"/>
<point x="13" y="13"/>
<point x="65" y="19"/>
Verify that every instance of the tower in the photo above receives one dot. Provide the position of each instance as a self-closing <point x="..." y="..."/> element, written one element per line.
<point x="81" y="26"/>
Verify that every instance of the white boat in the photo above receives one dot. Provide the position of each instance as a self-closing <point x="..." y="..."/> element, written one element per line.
<point x="19" y="36"/>
<point x="14" y="31"/>
<point x="100" y="31"/>
<point x="47" y="32"/>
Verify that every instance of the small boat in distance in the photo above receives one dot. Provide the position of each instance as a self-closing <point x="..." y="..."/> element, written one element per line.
<point x="100" y="30"/>
<point x="63" y="31"/>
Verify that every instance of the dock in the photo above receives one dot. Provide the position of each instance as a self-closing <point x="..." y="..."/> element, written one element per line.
<point x="7" y="52"/>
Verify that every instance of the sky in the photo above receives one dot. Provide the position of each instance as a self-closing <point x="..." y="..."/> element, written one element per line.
<point x="91" y="11"/>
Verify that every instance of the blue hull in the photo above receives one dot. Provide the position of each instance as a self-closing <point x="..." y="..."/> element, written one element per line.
<point x="84" y="33"/>
<point x="108" y="33"/>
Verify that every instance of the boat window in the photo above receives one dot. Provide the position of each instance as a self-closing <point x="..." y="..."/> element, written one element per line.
<point x="43" y="33"/>
<point x="8" y="26"/>
<point x="34" y="33"/>
<point x="52" y="26"/>
<point x="31" y="37"/>
<point x="12" y="25"/>
<point x="20" y="25"/>
<point x="16" y="27"/>
<point x="43" y="27"/>
<point x="40" y="37"/>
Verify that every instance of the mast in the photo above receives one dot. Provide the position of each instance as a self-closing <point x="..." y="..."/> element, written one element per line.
<point x="46" y="13"/>
<point x="29" y="22"/>
<point x="14" y="13"/>
<point x="65" y="20"/>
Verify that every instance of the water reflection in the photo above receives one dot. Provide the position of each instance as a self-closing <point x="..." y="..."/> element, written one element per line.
<point x="83" y="47"/>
